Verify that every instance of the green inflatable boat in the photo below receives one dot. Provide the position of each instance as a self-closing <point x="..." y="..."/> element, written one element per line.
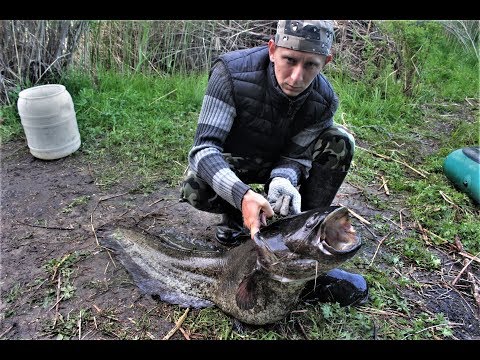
<point x="462" y="167"/>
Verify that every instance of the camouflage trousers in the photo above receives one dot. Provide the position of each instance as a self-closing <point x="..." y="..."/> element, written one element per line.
<point x="332" y="155"/>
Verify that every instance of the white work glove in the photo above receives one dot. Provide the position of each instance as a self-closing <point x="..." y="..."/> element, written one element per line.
<point x="284" y="197"/>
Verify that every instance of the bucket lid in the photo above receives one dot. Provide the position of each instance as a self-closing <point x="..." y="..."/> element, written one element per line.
<point x="41" y="91"/>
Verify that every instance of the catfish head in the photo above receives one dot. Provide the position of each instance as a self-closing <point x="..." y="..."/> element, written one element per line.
<point x="303" y="246"/>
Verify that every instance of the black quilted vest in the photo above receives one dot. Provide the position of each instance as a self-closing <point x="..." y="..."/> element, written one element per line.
<point x="266" y="117"/>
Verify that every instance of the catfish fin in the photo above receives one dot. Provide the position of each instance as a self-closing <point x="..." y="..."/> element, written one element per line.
<point x="246" y="292"/>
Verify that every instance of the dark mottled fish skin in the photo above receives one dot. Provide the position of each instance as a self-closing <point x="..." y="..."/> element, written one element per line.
<point x="257" y="282"/>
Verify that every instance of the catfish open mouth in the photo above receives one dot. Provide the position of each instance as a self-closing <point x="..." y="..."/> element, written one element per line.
<point x="336" y="234"/>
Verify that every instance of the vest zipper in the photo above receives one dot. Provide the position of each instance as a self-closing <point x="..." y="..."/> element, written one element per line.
<point x="291" y="108"/>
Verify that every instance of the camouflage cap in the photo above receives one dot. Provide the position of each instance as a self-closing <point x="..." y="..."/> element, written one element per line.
<point x="315" y="36"/>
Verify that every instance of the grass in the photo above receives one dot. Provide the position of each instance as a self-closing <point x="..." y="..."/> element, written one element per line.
<point x="60" y="273"/>
<point x="142" y="127"/>
<point x="82" y="200"/>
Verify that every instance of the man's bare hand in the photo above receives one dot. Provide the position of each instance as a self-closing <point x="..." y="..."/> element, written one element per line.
<point x="255" y="211"/>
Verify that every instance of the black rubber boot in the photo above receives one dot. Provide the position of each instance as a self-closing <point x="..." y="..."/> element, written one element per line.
<point x="230" y="231"/>
<point x="320" y="187"/>
<point x="337" y="286"/>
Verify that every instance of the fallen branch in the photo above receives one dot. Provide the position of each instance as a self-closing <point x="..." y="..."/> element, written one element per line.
<point x="397" y="161"/>
<point x="370" y="231"/>
<point x="363" y="220"/>
<point x="185" y="334"/>
<point x="463" y="270"/>
<point x="156" y="201"/>
<point x="384" y="185"/>
<point x="374" y="311"/>
<point x="423" y="230"/>
<point x="110" y="256"/>
<point x="393" y="222"/>
<point x="470" y="256"/>
<point x="304" y="333"/>
<point x="80" y="325"/>
<point x="59" y="298"/>
<point x="108" y="197"/>
<point x="93" y="229"/>
<point x="401" y="218"/>
<point x="7" y="331"/>
<point x="378" y="247"/>
<point x="45" y="226"/>
<point x="177" y="325"/>
<point x="475" y="291"/>
<point x="450" y="201"/>
<point x="88" y="333"/>
<point x="91" y="221"/>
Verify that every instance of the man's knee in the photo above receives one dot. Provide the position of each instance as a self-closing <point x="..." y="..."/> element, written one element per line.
<point x="200" y="195"/>
<point x="195" y="191"/>
<point x="334" y="149"/>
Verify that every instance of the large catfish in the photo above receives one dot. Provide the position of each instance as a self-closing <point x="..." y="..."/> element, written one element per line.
<point x="257" y="282"/>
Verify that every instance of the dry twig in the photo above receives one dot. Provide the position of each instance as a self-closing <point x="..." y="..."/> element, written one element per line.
<point x="450" y="201"/>
<point x="401" y="218"/>
<point x="467" y="264"/>
<point x="475" y="291"/>
<point x="384" y="185"/>
<point x="59" y="298"/>
<point x="378" y="247"/>
<point x="421" y="173"/>
<point x="80" y="325"/>
<point x="6" y="331"/>
<point x="424" y="233"/>
<point x="362" y="219"/>
<point x="374" y="311"/>
<point x="185" y="333"/>
<point x="46" y="227"/>
<point x="91" y="221"/>
<point x="177" y="325"/>
<point x="470" y="256"/>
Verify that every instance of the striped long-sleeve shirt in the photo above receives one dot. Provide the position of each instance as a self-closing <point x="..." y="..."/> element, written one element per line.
<point x="216" y="118"/>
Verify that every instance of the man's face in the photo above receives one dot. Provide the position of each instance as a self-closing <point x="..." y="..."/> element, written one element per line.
<point x="294" y="69"/>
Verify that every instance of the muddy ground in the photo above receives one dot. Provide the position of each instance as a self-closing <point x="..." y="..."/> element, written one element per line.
<point x="53" y="270"/>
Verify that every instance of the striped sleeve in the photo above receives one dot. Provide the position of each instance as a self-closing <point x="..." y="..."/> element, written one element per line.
<point x="214" y="123"/>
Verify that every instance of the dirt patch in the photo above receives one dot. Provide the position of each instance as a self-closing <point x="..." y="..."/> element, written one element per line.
<point x="53" y="272"/>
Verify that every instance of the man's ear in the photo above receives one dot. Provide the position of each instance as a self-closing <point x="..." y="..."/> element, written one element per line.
<point x="271" y="49"/>
<point x="328" y="58"/>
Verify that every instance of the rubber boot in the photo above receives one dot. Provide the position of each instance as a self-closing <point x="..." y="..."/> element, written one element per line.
<point x="321" y="186"/>
<point x="337" y="286"/>
<point x="230" y="231"/>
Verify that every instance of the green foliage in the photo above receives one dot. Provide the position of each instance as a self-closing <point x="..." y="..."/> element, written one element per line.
<point x="398" y="125"/>
<point x="68" y="327"/>
<point x="10" y="124"/>
<point x="146" y="122"/>
<point x="433" y="65"/>
<point x="62" y="268"/>
<point x="82" y="200"/>
<point x="14" y="293"/>
<point x="452" y="73"/>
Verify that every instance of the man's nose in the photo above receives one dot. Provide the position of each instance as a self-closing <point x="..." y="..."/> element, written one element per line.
<point x="297" y="73"/>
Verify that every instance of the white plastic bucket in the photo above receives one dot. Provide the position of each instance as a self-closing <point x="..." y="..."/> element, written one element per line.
<point x="49" y="121"/>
